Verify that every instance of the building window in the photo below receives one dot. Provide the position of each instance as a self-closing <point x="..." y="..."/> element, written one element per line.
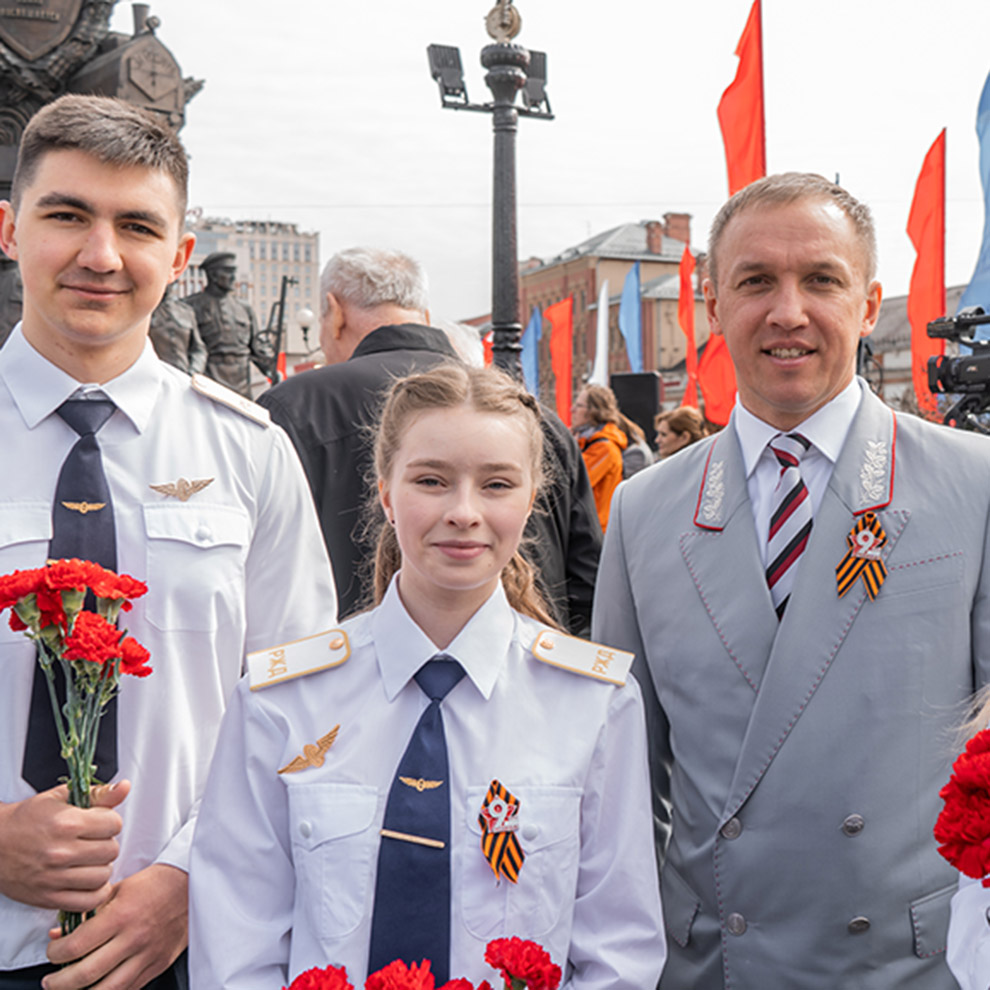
<point x="285" y="251"/>
<point x="307" y="253"/>
<point x="261" y="251"/>
<point x="295" y="251"/>
<point x="251" y="250"/>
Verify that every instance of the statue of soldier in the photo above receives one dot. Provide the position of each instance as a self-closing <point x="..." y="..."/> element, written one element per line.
<point x="228" y="327"/>
<point x="175" y="334"/>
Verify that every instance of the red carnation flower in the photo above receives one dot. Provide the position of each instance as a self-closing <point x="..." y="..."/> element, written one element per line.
<point x="462" y="984"/>
<point x="523" y="964"/>
<point x="330" y="978"/>
<point x="963" y="827"/>
<point x="60" y="575"/>
<point x="397" y="976"/>
<point x="93" y="639"/>
<point x="15" y="622"/>
<point x="20" y="584"/>
<point x="134" y="658"/>
<point x="50" y="607"/>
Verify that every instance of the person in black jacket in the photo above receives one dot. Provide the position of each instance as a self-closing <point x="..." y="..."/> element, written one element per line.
<point x="374" y="328"/>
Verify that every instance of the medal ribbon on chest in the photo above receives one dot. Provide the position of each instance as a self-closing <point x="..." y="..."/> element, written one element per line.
<point x="863" y="557"/>
<point x="499" y="820"/>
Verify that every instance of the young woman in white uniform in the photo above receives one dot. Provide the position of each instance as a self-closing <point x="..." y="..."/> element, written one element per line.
<point x="286" y="854"/>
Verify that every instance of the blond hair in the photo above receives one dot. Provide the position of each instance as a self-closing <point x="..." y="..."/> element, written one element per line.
<point x="602" y="404"/>
<point x="792" y="187"/>
<point x="451" y="386"/>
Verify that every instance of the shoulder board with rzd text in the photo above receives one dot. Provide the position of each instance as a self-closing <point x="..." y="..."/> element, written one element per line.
<point x="298" y="658"/>
<point x="220" y="393"/>
<point x="582" y="657"/>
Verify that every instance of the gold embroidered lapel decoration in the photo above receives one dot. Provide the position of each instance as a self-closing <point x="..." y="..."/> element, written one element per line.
<point x="863" y="559"/>
<point x="499" y="820"/>
<point x="313" y="756"/>
<point x="183" y="489"/>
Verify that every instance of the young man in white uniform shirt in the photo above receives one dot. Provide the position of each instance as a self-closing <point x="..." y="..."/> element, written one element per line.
<point x="236" y="564"/>
<point x="797" y="760"/>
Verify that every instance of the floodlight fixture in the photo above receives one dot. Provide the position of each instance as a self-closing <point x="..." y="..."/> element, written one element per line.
<point x="446" y="69"/>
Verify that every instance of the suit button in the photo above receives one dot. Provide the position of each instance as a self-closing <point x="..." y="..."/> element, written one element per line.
<point x="988" y="916"/>
<point x="732" y="829"/>
<point x="859" y="925"/>
<point x="305" y="829"/>
<point x="735" y="923"/>
<point x="853" y="825"/>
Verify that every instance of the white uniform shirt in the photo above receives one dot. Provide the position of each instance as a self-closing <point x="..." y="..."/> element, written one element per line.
<point x="826" y="429"/>
<point x="283" y="867"/>
<point x="968" y="949"/>
<point x="238" y="566"/>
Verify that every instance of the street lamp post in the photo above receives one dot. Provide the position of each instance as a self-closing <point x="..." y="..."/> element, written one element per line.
<point x="511" y="68"/>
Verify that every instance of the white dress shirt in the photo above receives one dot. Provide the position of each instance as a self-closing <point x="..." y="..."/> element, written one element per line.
<point x="283" y="866"/>
<point x="826" y="429"/>
<point x="968" y="950"/>
<point x="238" y="566"/>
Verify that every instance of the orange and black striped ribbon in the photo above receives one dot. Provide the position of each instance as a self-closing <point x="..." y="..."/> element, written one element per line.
<point x="498" y="819"/>
<point x="865" y="540"/>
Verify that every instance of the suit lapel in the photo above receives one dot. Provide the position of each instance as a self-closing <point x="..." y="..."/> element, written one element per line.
<point x="723" y="560"/>
<point x="817" y="621"/>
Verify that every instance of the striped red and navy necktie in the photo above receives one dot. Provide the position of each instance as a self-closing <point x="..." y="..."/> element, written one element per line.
<point x="790" y="520"/>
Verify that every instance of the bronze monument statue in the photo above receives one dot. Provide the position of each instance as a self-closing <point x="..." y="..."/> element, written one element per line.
<point x="174" y="334"/>
<point x="228" y="327"/>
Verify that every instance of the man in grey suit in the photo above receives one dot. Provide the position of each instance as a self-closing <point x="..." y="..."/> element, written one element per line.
<point x="808" y="599"/>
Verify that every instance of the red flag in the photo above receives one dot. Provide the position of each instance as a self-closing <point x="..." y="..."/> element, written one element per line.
<point x="685" y="316"/>
<point x="487" y="345"/>
<point x="717" y="378"/>
<point x="740" y="111"/>
<point x="561" y="317"/>
<point x="280" y="366"/>
<point x="926" y="296"/>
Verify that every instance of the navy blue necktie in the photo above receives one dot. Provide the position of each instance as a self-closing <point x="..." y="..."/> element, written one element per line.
<point x="411" y="917"/>
<point x="82" y="526"/>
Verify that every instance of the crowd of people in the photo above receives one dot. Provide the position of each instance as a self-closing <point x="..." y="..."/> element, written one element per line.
<point x="704" y="753"/>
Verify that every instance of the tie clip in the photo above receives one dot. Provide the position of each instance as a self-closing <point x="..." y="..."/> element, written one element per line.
<point x="419" y="840"/>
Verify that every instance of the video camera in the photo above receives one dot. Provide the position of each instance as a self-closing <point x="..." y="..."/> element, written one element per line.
<point x="967" y="375"/>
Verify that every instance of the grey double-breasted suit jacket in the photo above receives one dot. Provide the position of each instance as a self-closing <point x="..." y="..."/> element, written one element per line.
<point x="796" y="767"/>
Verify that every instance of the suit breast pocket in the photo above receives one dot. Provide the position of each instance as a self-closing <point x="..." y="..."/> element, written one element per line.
<point x="333" y="849"/>
<point x="196" y="558"/>
<point x="549" y="833"/>
<point x="924" y="577"/>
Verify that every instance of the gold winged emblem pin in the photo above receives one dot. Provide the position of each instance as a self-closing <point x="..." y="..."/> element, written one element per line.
<point x="313" y="756"/>
<point x="182" y="489"/>
<point x="83" y="507"/>
<point x="420" y="784"/>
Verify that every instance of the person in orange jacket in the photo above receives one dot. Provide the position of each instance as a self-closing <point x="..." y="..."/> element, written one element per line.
<point x="595" y="425"/>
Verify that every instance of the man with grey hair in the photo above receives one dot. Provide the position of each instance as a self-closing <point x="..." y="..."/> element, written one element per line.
<point x="805" y="628"/>
<point x="373" y="328"/>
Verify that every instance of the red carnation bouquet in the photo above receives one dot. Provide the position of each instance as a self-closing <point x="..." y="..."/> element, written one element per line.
<point x="963" y="827"/>
<point x="524" y="965"/>
<point x="47" y="606"/>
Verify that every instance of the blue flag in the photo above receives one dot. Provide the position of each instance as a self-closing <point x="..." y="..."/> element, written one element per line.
<point x="530" y="351"/>
<point x="630" y="324"/>
<point x="978" y="291"/>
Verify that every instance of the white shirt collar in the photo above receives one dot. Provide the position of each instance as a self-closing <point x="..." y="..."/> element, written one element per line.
<point x="480" y="647"/>
<point x="38" y="387"/>
<point x="826" y="428"/>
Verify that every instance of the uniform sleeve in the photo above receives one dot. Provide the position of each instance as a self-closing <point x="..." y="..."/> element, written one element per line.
<point x="241" y="877"/>
<point x="968" y="952"/>
<point x="290" y="588"/>
<point x="198" y="353"/>
<point x="617" y="937"/>
<point x="615" y="621"/>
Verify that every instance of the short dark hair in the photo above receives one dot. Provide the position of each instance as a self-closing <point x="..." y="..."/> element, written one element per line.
<point x="791" y="187"/>
<point x="112" y="131"/>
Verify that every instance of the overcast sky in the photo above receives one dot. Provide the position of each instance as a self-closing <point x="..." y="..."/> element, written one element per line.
<point x="323" y="113"/>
